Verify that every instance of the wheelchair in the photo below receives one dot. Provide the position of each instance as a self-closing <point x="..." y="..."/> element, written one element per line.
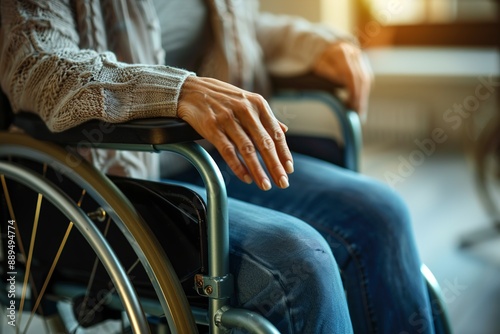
<point x="80" y="249"/>
<point x="486" y="163"/>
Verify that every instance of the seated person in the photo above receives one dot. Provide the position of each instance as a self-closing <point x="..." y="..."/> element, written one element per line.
<point x="325" y="250"/>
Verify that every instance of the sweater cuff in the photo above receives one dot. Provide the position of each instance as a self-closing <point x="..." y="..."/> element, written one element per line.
<point x="152" y="91"/>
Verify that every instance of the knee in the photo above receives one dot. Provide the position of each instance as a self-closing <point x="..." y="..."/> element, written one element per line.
<point x="292" y="280"/>
<point x="373" y="210"/>
<point x="283" y="259"/>
<point x="386" y="206"/>
<point x="385" y="219"/>
<point x="284" y="244"/>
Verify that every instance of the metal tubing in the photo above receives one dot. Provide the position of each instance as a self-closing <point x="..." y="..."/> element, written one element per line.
<point x="173" y="300"/>
<point x="350" y="123"/>
<point x="437" y="298"/>
<point x="355" y="138"/>
<point x="348" y="120"/>
<point x="248" y="320"/>
<point x="92" y="235"/>
<point x="218" y="224"/>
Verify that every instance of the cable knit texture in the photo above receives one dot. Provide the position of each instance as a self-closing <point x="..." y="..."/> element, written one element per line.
<point x="74" y="60"/>
<point x="46" y="71"/>
<point x="69" y="63"/>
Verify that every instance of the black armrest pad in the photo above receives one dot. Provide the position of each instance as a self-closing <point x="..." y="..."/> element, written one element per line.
<point x="151" y="131"/>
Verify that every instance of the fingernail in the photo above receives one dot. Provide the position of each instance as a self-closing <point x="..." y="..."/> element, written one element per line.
<point x="266" y="184"/>
<point x="247" y="179"/>
<point x="289" y="167"/>
<point x="284" y="182"/>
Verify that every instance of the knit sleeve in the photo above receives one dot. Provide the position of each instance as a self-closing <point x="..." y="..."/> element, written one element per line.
<point x="43" y="70"/>
<point x="291" y="45"/>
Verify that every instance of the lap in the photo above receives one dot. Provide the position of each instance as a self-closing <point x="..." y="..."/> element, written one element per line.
<point x="277" y="260"/>
<point x="364" y="223"/>
<point x="319" y="190"/>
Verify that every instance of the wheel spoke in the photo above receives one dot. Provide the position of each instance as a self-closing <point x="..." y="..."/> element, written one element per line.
<point x="103" y="300"/>
<point x="30" y="254"/>
<point x="67" y="280"/>
<point x="7" y="198"/>
<point x="27" y="273"/>
<point x="92" y="274"/>
<point x="54" y="264"/>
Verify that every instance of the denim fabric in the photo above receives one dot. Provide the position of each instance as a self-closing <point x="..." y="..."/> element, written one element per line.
<point x="282" y="257"/>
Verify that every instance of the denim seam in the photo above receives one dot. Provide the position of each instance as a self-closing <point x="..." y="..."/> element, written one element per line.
<point x="360" y="266"/>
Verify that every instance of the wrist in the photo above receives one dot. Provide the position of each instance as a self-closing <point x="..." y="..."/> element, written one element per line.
<point x="186" y="87"/>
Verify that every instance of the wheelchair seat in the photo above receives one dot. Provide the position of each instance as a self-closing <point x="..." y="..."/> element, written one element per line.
<point x="142" y="212"/>
<point x="164" y="286"/>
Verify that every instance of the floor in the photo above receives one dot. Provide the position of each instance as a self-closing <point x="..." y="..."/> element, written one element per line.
<point x="444" y="205"/>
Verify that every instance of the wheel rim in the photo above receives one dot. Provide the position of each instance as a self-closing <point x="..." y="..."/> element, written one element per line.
<point x="148" y="251"/>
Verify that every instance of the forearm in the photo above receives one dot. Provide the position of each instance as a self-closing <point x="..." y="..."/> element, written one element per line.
<point x="44" y="71"/>
<point x="291" y="45"/>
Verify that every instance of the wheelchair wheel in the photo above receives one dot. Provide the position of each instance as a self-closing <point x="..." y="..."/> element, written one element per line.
<point x="488" y="170"/>
<point x="74" y="253"/>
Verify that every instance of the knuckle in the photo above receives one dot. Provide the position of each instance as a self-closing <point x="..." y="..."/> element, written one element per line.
<point x="228" y="150"/>
<point x="210" y="122"/>
<point x="267" y="143"/>
<point x="257" y="99"/>
<point x="247" y="148"/>
<point x="224" y="116"/>
<point x="279" y="135"/>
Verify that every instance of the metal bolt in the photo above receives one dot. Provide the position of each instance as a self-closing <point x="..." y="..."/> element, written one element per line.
<point x="209" y="290"/>
<point x="199" y="281"/>
<point x="99" y="214"/>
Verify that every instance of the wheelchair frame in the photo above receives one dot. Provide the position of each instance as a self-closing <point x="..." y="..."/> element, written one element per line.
<point x="217" y="285"/>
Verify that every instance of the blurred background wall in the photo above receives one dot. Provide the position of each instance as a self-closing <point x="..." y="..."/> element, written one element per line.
<point x="339" y="13"/>
<point x="425" y="55"/>
<point x="433" y="132"/>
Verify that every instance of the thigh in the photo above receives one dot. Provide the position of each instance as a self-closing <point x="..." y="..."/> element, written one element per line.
<point x="285" y="270"/>
<point x="325" y="196"/>
<point x="368" y="229"/>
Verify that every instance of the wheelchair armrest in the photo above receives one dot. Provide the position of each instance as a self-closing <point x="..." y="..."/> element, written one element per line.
<point x="314" y="88"/>
<point x="303" y="82"/>
<point x="150" y="131"/>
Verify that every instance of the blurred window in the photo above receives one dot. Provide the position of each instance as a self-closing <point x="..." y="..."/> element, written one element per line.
<point x="397" y="12"/>
<point x="463" y="23"/>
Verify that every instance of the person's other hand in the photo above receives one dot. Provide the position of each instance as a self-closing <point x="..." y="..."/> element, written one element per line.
<point x="342" y="63"/>
<point x="239" y="124"/>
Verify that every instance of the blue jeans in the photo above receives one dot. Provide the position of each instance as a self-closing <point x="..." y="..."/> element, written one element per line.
<point x="282" y="243"/>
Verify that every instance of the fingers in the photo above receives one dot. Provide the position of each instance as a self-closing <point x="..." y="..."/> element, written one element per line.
<point x="276" y="131"/>
<point x="343" y="63"/>
<point x="283" y="126"/>
<point x="260" y="128"/>
<point x="240" y="125"/>
<point x="236" y="144"/>
<point x="358" y="83"/>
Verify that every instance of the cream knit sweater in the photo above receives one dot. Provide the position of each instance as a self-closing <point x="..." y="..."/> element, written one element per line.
<point x="71" y="61"/>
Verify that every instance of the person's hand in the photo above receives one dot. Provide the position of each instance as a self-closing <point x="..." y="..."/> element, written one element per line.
<point x="239" y="124"/>
<point x="342" y="63"/>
